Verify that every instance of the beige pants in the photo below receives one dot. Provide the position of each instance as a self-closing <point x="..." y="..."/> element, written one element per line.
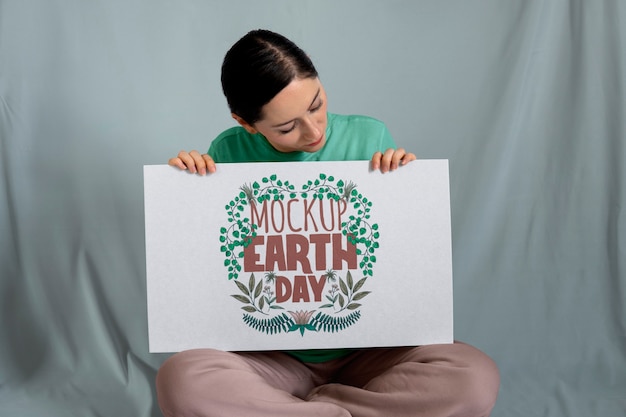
<point x="434" y="380"/>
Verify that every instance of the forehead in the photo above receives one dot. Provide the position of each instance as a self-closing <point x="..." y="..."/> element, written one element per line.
<point x="293" y="101"/>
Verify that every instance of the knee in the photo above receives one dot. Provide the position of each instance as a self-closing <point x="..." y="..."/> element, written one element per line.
<point x="170" y="372"/>
<point x="170" y="379"/>
<point x="480" y="382"/>
<point x="178" y="378"/>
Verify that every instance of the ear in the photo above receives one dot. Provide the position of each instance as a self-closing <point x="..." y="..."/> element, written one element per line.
<point x="249" y="128"/>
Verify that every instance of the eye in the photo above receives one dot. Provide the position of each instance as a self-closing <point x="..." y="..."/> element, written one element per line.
<point x="284" y="132"/>
<point x="316" y="107"/>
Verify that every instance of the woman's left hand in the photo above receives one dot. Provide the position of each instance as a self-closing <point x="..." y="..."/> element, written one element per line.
<point x="391" y="159"/>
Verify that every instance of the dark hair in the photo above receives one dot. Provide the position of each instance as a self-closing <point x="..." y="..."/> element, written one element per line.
<point x="257" y="67"/>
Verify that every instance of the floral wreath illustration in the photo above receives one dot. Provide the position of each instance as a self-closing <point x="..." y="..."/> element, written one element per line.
<point x="341" y="309"/>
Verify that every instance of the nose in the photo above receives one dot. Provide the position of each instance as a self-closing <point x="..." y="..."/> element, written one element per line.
<point x="311" y="130"/>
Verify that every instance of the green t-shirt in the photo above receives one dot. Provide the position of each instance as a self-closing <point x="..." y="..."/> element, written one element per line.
<point x="348" y="138"/>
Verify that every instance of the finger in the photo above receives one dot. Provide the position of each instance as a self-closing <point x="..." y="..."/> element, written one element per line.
<point x="401" y="157"/>
<point x="408" y="158"/>
<point x="396" y="158"/>
<point x="177" y="162"/>
<point x="187" y="161"/>
<point x="376" y="160"/>
<point x="385" y="163"/>
<point x="210" y="163"/>
<point x="199" y="162"/>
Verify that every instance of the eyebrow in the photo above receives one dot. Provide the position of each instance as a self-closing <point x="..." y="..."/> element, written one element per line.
<point x="312" y="101"/>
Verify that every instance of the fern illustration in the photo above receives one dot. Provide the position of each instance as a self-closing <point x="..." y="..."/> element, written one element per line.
<point x="332" y="324"/>
<point x="274" y="325"/>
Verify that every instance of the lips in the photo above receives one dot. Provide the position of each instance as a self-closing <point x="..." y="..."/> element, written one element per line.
<point x="317" y="142"/>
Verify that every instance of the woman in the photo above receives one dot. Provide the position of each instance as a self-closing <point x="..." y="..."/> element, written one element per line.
<point x="275" y="95"/>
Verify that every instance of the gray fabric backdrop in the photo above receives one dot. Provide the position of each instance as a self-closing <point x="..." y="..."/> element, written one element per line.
<point x="525" y="98"/>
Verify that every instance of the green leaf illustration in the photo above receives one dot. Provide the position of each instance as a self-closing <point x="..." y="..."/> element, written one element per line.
<point x="251" y="283"/>
<point x="241" y="298"/>
<point x="359" y="284"/>
<point x="257" y="290"/>
<point x="360" y="295"/>
<point x="242" y="288"/>
<point x="343" y="287"/>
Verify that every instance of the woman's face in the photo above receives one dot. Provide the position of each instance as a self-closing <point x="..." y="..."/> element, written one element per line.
<point x="295" y="119"/>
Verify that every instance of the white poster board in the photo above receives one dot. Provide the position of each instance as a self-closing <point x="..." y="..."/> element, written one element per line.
<point x="286" y="256"/>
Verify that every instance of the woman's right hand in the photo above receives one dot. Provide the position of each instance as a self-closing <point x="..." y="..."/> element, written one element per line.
<point x="193" y="162"/>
